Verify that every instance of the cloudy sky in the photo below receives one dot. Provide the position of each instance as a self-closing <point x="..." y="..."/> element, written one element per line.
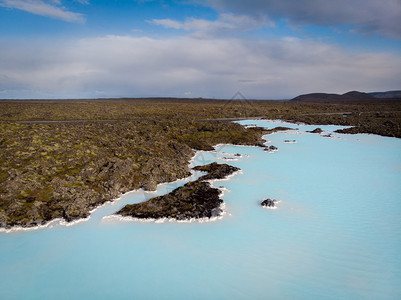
<point x="266" y="49"/>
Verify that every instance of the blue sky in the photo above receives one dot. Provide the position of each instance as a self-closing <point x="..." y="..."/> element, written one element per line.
<point x="267" y="49"/>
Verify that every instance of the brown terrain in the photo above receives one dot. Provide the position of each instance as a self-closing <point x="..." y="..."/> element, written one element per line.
<point x="62" y="158"/>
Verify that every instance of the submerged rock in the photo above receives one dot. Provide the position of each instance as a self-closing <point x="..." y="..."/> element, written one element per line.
<point x="228" y="158"/>
<point x="194" y="200"/>
<point x="269" y="203"/>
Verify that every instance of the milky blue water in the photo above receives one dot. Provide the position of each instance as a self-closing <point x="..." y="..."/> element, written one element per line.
<point x="336" y="233"/>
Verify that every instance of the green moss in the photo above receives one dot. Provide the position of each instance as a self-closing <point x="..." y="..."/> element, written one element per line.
<point x="3" y="176"/>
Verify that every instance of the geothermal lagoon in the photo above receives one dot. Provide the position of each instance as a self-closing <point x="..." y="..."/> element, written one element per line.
<point x="336" y="232"/>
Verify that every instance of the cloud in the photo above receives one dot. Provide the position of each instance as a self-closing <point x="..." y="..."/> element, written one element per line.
<point x="227" y="24"/>
<point x="50" y="8"/>
<point x="368" y="16"/>
<point x="125" y="66"/>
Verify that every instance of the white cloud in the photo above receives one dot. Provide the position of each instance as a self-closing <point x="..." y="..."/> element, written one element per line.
<point x="227" y="24"/>
<point x="115" y="66"/>
<point x="368" y="16"/>
<point x="50" y="8"/>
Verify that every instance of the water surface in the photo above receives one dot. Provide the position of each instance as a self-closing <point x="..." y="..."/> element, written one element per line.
<point x="336" y="233"/>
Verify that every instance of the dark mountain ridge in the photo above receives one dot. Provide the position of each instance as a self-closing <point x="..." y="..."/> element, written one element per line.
<point x="324" y="97"/>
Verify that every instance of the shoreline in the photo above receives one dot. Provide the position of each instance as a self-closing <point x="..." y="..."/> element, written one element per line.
<point x="62" y="222"/>
<point x="191" y="164"/>
<point x="197" y="199"/>
<point x="111" y="202"/>
<point x="50" y="224"/>
<point x="120" y="218"/>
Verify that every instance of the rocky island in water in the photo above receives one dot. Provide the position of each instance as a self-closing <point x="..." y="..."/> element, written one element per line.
<point x="194" y="200"/>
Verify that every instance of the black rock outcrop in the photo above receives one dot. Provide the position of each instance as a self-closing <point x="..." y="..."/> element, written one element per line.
<point x="317" y="130"/>
<point x="194" y="200"/>
<point x="269" y="203"/>
<point x="271" y="148"/>
<point x="216" y="171"/>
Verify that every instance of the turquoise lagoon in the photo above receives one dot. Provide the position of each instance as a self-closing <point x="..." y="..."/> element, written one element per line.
<point x="335" y="235"/>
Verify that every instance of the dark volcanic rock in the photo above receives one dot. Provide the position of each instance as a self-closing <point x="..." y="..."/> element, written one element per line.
<point x="317" y="130"/>
<point x="271" y="148"/>
<point x="269" y="203"/>
<point x="277" y="129"/>
<point x="216" y="171"/>
<point x="194" y="200"/>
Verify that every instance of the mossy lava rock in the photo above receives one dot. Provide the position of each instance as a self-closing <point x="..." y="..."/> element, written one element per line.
<point x="194" y="200"/>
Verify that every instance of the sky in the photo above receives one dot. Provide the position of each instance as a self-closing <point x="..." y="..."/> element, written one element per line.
<point x="265" y="49"/>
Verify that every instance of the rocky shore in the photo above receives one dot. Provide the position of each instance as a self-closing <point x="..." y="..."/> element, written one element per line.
<point x="29" y="203"/>
<point x="194" y="200"/>
<point x="65" y="170"/>
<point x="61" y="159"/>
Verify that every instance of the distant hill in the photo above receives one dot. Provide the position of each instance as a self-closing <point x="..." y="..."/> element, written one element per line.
<point x="389" y="94"/>
<point x="323" y="97"/>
